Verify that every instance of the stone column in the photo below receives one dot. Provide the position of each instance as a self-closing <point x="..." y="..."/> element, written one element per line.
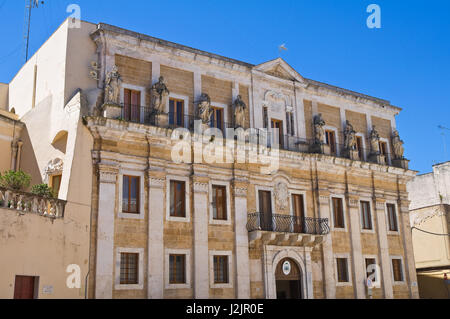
<point x="155" y="240"/>
<point x="410" y="265"/>
<point x="327" y="246"/>
<point x="300" y="114"/>
<point x="104" y="280"/>
<point x="242" y="265"/>
<point x="385" y="276"/>
<point x="357" y="259"/>
<point x="201" y="253"/>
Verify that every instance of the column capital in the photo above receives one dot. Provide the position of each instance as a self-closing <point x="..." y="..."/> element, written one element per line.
<point x="324" y="197"/>
<point x="200" y="187"/>
<point x="107" y="173"/>
<point x="380" y="203"/>
<point x="353" y="201"/>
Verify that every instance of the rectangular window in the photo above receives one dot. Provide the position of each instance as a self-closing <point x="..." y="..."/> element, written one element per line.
<point x="130" y="194"/>
<point x="219" y="197"/>
<point x="131" y="105"/>
<point x="177" y="270"/>
<point x="392" y="217"/>
<point x="397" y="269"/>
<point x="176" y="112"/>
<point x="56" y="184"/>
<point x="331" y="140"/>
<point x="366" y="216"/>
<point x="177" y="199"/>
<point x="338" y="212"/>
<point x="359" y="147"/>
<point x="369" y="262"/>
<point x="221" y="269"/>
<point x="129" y="264"/>
<point x="292" y="124"/>
<point x="342" y="269"/>
<point x="217" y="118"/>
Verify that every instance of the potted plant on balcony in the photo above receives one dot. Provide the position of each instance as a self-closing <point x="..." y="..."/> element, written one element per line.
<point x="15" y="180"/>
<point x="43" y="190"/>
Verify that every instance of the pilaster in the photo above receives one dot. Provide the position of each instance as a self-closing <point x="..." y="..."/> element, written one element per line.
<point x="105" y="231"/>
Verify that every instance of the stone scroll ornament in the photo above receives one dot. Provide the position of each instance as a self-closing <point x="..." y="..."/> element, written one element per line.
<point x="159" y="95"/>
<point x="112" y="86"/>
<point x="204" y="108"/>
<point x="350" y="137"/>
<point x="397" y="143"/>
<point x="281" y="195"/>
<point x="239" y="112"/>
<point x="319" y="131"/>
<point x="375" y="141"/>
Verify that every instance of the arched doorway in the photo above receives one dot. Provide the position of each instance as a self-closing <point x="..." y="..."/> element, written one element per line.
<point x="288" y="280"/>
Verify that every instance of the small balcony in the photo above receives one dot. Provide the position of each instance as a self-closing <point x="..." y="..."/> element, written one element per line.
<point x="25" y="203"/>
<point x="286" y="230"/>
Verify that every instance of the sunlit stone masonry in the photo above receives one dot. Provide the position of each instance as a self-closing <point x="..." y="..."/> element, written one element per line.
<point x="305" y="199"/>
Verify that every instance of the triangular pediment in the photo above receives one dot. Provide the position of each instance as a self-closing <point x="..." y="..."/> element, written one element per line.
<point x="280" y="69"/>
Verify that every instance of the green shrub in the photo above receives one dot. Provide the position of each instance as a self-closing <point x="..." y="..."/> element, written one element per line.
<point x="17" y="181"/>
<point x="43" y="190"/>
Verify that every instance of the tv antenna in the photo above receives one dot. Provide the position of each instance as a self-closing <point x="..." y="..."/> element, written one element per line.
<point x="443" y="129"/>
<point x="29" y="5"/>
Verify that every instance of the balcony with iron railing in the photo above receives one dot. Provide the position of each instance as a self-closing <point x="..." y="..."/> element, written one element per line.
<point x="286" y="230"/>
<point x="262" y="137"/>
<point x="25" y="203"/>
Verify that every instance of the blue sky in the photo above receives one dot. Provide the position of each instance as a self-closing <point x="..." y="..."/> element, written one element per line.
<point x="407" y="61"/>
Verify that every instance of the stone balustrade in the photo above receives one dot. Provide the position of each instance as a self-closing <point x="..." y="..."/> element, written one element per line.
<point x="30" y="203"/>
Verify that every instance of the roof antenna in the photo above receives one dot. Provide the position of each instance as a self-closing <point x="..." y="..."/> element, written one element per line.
<point x="29" y="4"/>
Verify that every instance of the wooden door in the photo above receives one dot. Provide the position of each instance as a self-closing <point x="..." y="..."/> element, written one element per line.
<point x="265" y="207"/>
<point x="24" y="287"/>
<point x="278" y="126"/>
<point x="299" y="213"/>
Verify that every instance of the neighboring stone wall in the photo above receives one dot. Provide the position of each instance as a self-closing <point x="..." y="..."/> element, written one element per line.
<point x="219" y="91"/>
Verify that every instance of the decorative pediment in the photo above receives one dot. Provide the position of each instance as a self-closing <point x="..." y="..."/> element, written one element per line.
<point x="279" y="68"/>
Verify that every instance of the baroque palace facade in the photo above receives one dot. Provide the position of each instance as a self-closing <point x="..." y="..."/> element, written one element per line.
<point x="316" y="202"/>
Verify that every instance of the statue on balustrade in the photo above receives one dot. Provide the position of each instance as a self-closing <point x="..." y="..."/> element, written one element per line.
<point x="112" y="86"/>
<point x="397" y="143"/>
<point x="375" y="141"/>
<point x="239" y="112"/>
<point x="204" y="108"/>
<point x="159" y="95"/>
<point x="319" y="131"/>
<point x="350" y="137"/>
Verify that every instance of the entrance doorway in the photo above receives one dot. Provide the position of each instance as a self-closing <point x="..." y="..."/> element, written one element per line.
<point x="25" y="287"/>
<point x="288" y="280"/>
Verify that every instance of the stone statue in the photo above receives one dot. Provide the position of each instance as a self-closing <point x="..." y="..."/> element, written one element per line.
<point x="112" y="86"/>
<point x="319" y="131"/>
<point x="204" y="108"/>
<point x="239" y="112"/>
<point x="375" y="141"/>
<point x="350" y="137"/>
<point x="159" y="95"/>
<point x="397" y="143"/>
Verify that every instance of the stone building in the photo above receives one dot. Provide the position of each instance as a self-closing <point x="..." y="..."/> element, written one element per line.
<point x="429" y="212"/>
<point x="308" y="195"/>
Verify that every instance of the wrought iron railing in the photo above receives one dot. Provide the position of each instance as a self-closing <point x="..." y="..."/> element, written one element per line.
<point x="262" y="137"/>
<point x="30" y="203"/>
<point x="287" y="224"/>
